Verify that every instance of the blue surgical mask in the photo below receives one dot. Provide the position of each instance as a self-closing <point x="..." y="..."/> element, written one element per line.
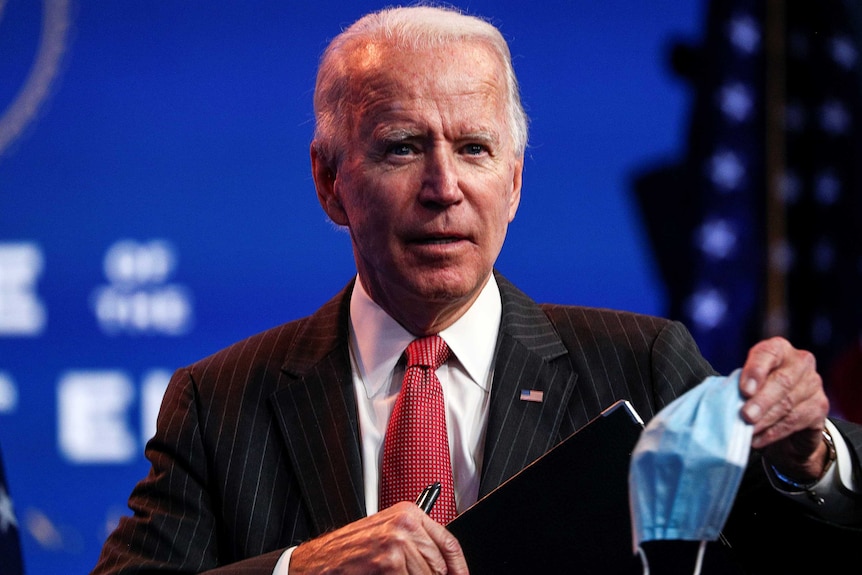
<point x="687" y="466"/>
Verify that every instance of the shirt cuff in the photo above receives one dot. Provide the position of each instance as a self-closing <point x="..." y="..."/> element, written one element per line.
<point x="835" y="496"/>
<point x="283" y="565"/>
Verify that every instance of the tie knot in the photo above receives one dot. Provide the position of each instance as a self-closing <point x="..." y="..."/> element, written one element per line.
<point x="429" y="351"/>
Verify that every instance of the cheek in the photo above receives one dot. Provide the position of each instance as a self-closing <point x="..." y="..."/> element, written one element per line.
<point x="512" y="206"/>
<point x="503" y="213"/>
<point x="371" y="214"/>
<point x="504" y="204"/>
<point x="355" y="199"/>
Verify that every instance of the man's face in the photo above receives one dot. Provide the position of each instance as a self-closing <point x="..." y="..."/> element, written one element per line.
<point x="429" y="179"/>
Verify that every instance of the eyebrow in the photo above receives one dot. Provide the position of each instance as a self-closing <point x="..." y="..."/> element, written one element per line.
<point x="489" y="136"/>
<point x="390" y="134"/>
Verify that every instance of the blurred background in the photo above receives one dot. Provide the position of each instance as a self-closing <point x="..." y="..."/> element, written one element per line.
<point x="688" y="160"/>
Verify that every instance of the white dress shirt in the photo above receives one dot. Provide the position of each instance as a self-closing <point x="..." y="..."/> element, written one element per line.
<point x="377" y="345"/>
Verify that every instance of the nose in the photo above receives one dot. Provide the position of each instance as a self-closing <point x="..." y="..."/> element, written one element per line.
<point x="440" y="182"/>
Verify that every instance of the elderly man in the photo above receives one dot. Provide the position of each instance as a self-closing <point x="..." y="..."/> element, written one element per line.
<point x="275" y="454"/>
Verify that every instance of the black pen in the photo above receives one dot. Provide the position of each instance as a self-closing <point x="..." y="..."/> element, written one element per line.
<point x="429" y="495"/>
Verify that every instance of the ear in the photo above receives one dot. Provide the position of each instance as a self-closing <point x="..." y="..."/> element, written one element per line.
<point x="517" y="181"/>
<point x="324" y="174"/>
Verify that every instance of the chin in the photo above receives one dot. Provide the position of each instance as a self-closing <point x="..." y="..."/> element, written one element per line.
<point x="451" y="287"/>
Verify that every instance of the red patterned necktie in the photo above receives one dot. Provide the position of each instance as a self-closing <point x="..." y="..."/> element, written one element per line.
<point x="416" y="446"/>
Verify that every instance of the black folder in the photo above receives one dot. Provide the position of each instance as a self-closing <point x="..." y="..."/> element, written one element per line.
<point x="568" y="512"/>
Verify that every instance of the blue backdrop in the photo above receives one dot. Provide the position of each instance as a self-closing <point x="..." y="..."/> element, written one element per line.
<point x="156" y="205"/>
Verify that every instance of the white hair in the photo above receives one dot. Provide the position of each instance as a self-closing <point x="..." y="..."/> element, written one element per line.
<point x="410" y="28"/>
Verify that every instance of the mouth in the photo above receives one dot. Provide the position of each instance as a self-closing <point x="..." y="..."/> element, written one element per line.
<point x="437" y="240"/>
<point x="437" y="245"/>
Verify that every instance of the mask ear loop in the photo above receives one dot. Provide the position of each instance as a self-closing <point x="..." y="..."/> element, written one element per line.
<point x="697" y="565"/>
<point x="644" y="561"/>
<point x="700" y="551"/>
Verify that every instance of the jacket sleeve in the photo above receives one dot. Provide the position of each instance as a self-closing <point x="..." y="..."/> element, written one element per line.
<point x="174" y="526"/>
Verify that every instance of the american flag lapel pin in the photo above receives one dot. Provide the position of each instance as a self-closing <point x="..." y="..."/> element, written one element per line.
<point x="532" y="395"/>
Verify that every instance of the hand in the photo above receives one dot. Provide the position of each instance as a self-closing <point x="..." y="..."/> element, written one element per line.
<point x="399" y="540"/>
<point x="786" y="403"/>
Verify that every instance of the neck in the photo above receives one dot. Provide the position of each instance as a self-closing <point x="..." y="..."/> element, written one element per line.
<point x="423" y="316"/>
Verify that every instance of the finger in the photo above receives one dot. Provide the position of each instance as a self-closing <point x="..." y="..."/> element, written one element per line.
<point x="775" y="397"/>
<point x="763" y="358"/>
<point x="449" y="550"/>
<point x="395" y="540"/>
<point x="786" y="406"/>
<point x="422" y="559"/>
<point x="432" y="549"/>
<point x="422" y="556"/>
<point x="776" y="377"/>
<point x="790" y="395"/>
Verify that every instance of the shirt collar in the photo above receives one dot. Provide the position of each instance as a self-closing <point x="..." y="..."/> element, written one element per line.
<point x="377" y="341"/>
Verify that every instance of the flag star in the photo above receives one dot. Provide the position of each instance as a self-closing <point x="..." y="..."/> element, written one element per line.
<point x="7" y="513"/>
<point x="726" y="170"/>
<point x="827" y="188"/>
<point x="744" y="34"/>
<point x="707" y="308"/>
<point x="717" y="238"/>
<point x="843" y="52"/>
<point x="735" y="101"/>
<point x="834" y="117"/>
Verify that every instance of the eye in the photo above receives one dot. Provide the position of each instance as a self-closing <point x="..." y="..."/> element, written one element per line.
<point x="399" y="149"/>
<point x="474" y="149"/>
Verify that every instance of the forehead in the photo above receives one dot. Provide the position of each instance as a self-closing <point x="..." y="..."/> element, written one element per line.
<point x="371" y="56"/>
<point x="464" y="76"/>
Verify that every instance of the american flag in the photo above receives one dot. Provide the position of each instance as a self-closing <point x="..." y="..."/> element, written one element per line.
<point x="11" y="562"/>
<point x="758" y="230"/>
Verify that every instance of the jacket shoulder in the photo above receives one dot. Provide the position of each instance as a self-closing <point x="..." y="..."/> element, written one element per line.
<point x="296" y="344"/>
<point x="647" y="359"/>
<point x="594" y="320"/>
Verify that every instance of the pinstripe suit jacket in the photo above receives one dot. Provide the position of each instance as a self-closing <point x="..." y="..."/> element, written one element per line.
<point x="257" y="446"/>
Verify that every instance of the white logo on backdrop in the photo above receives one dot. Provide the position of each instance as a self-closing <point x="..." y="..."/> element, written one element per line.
<point x="8" y="393"/>
<point x="139" y="298"/>
<point x="21" y="311"/>
<point x="94" y="422"/>
<point x="37" y="86"/>
<point x="91" y="409"/>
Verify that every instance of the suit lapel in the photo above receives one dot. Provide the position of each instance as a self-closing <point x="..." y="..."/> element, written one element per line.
<point x="530" y="356"/>
<point x="317" y="415"/>
<point x="317" y="409"/>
